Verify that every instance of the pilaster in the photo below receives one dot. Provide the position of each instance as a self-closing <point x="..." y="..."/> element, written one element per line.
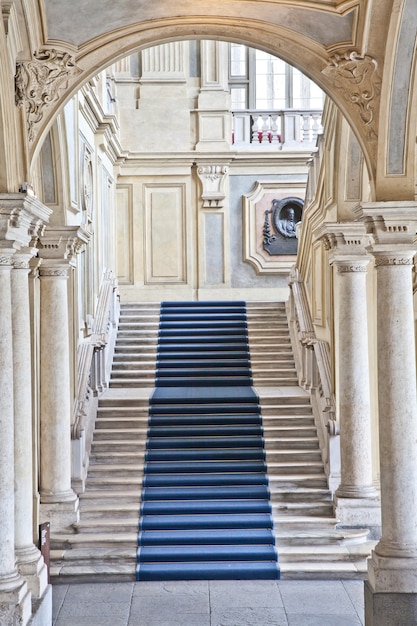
<point x="214" y="117"/>
<point x="392" y="581"/>
<point x="356" y="500"/>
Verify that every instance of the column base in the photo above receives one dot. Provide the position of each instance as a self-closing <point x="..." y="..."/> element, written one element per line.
<point x="16" y="605"/>
<point x="359" y="512"/>
<point x="386" y="609"/>
<point x="388" y="574"/>
<point x="61" y="515"/>
<point x="42" y="609"/>
<point x="32" y="568"/>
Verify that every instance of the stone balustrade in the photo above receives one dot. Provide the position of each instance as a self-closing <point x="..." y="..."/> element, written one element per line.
<point x="285" y="128"/>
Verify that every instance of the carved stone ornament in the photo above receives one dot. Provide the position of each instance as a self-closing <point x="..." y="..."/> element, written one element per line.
<point x="6" y="260"/>
<point x="39" y="83"/>
<point x="213" y="178"/>
<point x="351" y="267"/>
<point x="358" y="79"/>
<point x="381" y="260"/>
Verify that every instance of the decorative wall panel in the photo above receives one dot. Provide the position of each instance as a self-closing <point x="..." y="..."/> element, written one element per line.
<point x="214" y="243"/>
<point x="165" y="234"/>
<point x="124" y="229"/>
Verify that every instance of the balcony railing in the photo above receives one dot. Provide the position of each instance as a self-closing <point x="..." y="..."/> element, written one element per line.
<point x="294" y="129"/>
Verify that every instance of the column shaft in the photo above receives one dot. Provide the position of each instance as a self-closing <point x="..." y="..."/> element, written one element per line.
<point x="29" y="559"/>
<point x="353" y="384"/>
<point x="55" y="484"/>
<point x="7" y="555"/>
<point x="397" y="408"/>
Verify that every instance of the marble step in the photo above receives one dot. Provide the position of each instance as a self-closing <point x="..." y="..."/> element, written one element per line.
<point x="284" y="468"/>
<point x="119" y="434"/>
<point x="102" y="457"/>
<point x="116" y="510"/>
<point x="94" y="495"/>
<point x="296" y="481"/>
<point x="106" y="539"/>
<point x="120" y="402"/>
<point x="292" y="456"/>
<point x="130" y="382"/>
<point x="318" y="536"/>
<point x="114" y="421"/>
<point x="316" y="509"/>
<point x="140" y="372"/>
<point x="111" y="482"/>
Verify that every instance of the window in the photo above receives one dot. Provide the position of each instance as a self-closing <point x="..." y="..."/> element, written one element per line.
<point x="261" y="81"/>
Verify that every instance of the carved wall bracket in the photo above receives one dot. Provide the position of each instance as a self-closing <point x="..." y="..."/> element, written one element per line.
<point x="357" y="78"/>
<point x="213" y="178"/>
<point x="40" y="82"/>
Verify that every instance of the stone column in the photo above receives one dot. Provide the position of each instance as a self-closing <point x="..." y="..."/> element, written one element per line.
<point x="29" y="559"/>
<point x="59" y="503"/>
<point x="392" y="586"/>
<point x="20" y="216"/>
<point x="356" y="500"/>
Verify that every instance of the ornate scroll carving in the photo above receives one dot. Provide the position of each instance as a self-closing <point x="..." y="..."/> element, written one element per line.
<point x="39" y="83"/>
<point x="358" y="79"/>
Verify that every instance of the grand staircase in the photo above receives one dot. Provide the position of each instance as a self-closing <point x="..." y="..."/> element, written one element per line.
<point x="105" y="542"/>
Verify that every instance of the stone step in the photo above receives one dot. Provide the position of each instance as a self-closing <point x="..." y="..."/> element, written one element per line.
<point x="120" y="434"/>
<point x="110" y="482"/>
<point x="316" y="509"/>
<point x="292" y="456"/>
<point x="101" y="457"/>
<point x="114" y="421"/>
<point x="276" y="468"/>
<point x="130" y="494"/>
<point x="140" y="372"/>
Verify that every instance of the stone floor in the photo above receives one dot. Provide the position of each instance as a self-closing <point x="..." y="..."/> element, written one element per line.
<point x="210" y="603"/>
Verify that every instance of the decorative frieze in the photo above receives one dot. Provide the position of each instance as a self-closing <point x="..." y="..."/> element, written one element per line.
<point x="40" y="82"/>
<point x="343" y="268"/>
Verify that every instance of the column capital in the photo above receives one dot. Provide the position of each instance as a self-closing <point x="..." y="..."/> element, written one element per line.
<point x="58" y="246"/>
<point x="22" y="218"/>
<point x="390" y="224"/>
<point x="347" y="244"/>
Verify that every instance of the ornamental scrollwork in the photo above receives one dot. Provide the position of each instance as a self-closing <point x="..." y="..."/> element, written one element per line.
<point x="381" y="261"/>
<point x="38" y="83"/>
<point x="357" y="78"/>
<point x="51" y="271"/>
<point x="5" y="260"/>
<point x="351" y="267"/>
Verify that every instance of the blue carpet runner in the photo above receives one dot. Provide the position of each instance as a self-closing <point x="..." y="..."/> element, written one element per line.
<point x="205" y="511"/>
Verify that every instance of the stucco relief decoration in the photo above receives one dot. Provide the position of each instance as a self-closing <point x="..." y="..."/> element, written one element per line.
<point x="40" y="82"/>
<point x="358" y="79"/>
<point x="271" y="212"/>
<point x="284" y="215"/>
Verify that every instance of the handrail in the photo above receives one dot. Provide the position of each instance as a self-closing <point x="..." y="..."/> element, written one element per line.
<point x="312" y="357"/>
<point x="92" y="377"/>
